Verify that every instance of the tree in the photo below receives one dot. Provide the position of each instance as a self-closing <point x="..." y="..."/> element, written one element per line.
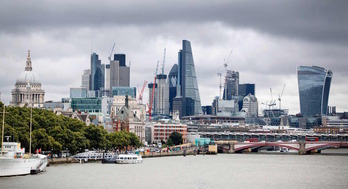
<point x="176" y="138"/>
<point x="170" y="142"/>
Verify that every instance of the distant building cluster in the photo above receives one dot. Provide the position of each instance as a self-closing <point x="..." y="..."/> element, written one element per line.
<point x="106" y="98"/>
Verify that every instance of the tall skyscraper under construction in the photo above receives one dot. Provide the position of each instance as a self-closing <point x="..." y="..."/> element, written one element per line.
<point x="231" y="85"/>
<point x="314" y="88"/>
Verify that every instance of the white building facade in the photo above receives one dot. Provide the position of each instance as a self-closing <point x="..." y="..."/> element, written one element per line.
<point x="250" y="106"/>
<point x="27" y="89"/>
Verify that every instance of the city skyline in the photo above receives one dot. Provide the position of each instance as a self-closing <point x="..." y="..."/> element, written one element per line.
<point x="268" y="42"/>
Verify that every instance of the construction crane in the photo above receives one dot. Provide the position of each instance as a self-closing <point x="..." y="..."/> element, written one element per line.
<point x="280" y="98"/>
<point x="141" y="93"/>
<point x="153" y="92"/>
<point x="272" y="103"/>
<point x="112" y="50"/>
<point x="227" y="61"/>
<point x="219" y="74"/>
<point x="164" y="60"/>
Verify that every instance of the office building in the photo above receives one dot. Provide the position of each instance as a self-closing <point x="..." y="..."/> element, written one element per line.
<point x="161" y="132"/>
<point x="162" y="95"/>
<point x="231" y="85"/>
<point x="183" y="106"/>
<point x="86" y="79"/>
<point x="187" y="79"/>
<point x="172" y="80"/>
<point x="119" y="72"/>
<point x="123" y="91"/>
<point x="154" y="101"/>
<point x="90" y="105"/>
<point x="27" y="89"/>
<point x="245" y="89"/>
<point x="78" y="92"/>
<point x="97" y="73"/>
<point x="314" y="88"/>
<point x="107" y="76"/>
<point x="250" y="106"/>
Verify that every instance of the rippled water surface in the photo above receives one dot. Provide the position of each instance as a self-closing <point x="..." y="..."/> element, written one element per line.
<point x="209" y="171"/>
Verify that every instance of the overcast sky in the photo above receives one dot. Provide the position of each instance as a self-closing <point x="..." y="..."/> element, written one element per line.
<point x="269" y="40"/>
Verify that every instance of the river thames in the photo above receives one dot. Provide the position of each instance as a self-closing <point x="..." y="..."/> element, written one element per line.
<point x="209" y="171"/>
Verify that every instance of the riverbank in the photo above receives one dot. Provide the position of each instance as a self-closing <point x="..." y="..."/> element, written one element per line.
<point x="328" y="152"/>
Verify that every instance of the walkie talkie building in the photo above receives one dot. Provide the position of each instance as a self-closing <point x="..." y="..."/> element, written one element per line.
<point x="314" y="88"/>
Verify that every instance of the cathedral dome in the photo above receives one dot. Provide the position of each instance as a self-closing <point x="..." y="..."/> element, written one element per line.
<point x="28" y="77"/>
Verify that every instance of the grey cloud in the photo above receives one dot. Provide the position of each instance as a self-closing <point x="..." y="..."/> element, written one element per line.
<point x="308" y="20"/>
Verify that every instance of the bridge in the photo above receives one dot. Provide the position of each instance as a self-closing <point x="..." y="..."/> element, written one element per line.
<point x="303" y="147"/>
<point x="270" y="137"/>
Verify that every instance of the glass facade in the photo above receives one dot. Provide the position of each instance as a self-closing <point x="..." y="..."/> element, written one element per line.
<point x="90" y="105"/>
<point x="245" y="89"/>
<point x="188" y="86"/>
<point x="314" y="88"/>
<point x="172" y="80"/>
<point x="123" y="91"/>
<point x="97" y="73"/>
<point x="121" y="58"/>
<point x="78" y="92"/>
<point x="231" y="86"/>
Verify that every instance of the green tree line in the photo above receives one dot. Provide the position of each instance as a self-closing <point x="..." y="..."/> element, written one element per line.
<point x="52" y="132"/>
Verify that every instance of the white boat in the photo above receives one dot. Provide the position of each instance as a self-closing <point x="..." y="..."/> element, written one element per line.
<point x="129" y="159"/>
<point x="14" y="162"/>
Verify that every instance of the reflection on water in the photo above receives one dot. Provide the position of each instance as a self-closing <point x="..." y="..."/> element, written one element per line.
<point x="209" y="171"/>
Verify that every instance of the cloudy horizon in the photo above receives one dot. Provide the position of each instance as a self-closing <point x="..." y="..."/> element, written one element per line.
<point x="269" y="40"/>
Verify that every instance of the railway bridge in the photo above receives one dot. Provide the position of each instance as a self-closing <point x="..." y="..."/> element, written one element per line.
<point x="303" y="147"/>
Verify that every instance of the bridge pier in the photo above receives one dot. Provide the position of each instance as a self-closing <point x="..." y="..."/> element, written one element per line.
<point x="231" y="147"/>
<point x="302" y="148"/>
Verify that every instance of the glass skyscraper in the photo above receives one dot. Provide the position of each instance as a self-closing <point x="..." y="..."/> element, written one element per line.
<point x="97" y="73"/>
<point x="187" y="79"/>
<point x="314" y="88"/>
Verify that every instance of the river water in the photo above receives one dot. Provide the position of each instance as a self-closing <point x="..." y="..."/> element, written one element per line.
<point x="209" y="171"/>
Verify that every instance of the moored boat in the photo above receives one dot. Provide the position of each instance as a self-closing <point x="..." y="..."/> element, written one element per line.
<point x="129" y="159"/>
<point x="14" y="162"/>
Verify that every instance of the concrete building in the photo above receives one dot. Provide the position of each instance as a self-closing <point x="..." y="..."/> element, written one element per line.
<point x="128" y="115"/>
<point x="250" y="106"/>
<point x="314" y="88"/>
<point x="119" y="72"/>
<point x="85" y="79"/>
<point x="107" y="76"/>
<point x="187" y="79"/>
<point x="154" y="101"/>
<point x="27" y="89"/>
<point x="162" y="100"/>
<point x="226" y="108"/>
<point x="161" y="132"/>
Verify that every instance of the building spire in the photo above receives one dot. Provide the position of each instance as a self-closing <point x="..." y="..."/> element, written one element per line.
<point x="28" y="65"/>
